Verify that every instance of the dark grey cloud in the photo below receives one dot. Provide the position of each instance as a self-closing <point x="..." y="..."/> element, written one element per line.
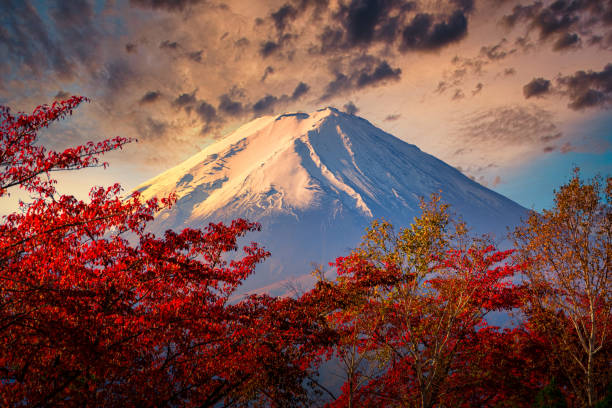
<point x="537" y="87"/>
<point x="150" y="97"/>
<point x="381" y="73"/>
<point x="117" y="75"/>
<point x="509" y="71"/>
<point x="269" y="103"/>
<point x="61" y="95"/>
<point x="71" y="12"/>
<point x="283" y="16"/>
<point x="293" y="9"/>
<point x="166" y="5"/>
<point x="589" y="99"/>
<point x="464" y="5"/>
<point x="185" y="100"/>
<point x="391" y="118"/>
<point x="366" y="71"/>
<point x="76" y="29"/>
<point x="242" y="42"/>
<point x="331" y="40"/>
<point x="424" y="34"/>
<point x="26" y="43"/>
<point x="300" y="90"/>
<point x="560" y="20"/>
<point x="268" y="71"/>
<point x="195" y="55"/>
<point x="567" y="40"/>
<point x="548" y="22"/>
<point x="341" y="83"/>
<point x="265" y="104"/>
<point x="130" y="48"/>
<point x="478" y="88"/>
<point x="206" y="112"/>
<point x="365" y="21"/>
<point x="351" y="108"/>
<point x="170" y="45"/>
<point x="522" y="13"/>
<point x="268" y="48"/>
<point x="229" y="106"/>
<point x="401" y="24"/>
<point x="497" y="51"/>
<point x="587" y="89"/>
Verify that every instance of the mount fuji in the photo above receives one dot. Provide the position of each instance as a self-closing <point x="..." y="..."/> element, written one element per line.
<point x="314" y="182"/>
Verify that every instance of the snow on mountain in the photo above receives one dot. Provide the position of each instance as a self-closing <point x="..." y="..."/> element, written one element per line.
<point x="315" y="182"/>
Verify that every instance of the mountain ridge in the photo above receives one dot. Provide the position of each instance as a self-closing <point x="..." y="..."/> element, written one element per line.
<point x="314" y="182"/>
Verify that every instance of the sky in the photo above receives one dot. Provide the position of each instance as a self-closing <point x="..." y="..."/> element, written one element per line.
<point x="514" y="94"/>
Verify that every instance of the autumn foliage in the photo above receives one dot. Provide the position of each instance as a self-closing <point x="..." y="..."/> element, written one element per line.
<point x="97" y="311"/>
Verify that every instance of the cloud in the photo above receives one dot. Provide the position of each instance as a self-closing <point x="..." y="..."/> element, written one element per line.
<point x="206" y="112"/>
<point x="561" y="19"/>
<point x="166" y="5"/>
<point x="367" y="20"/>
<point x="567" y="148"/>
<point x="510" y="126"/>
<point x="496" y="52"/>
<point x="548" y="22"/>
<point x="391" y="118"/>
<point x="27" y="44"/>
<point x="150" y="97"/>
<point x="300" y="90"/>
<point x="458" y="95"/>
<point x="382" y="72"/>
<point x="268" y="103"/>
<point x="170" y="45"/>
<point x="268" y="48"/>
<point x="301" y="53"/>
<point x="424" y="34"/>
<point x="265" y="104"/>
<point x="283" y="15"/>
<point x="537" y="87"/>
<point x="229" y="106"/>
<point x="567" y="40"/>
<point x="366" y="71"/>
<point x="585" y="89"/>
<point x="351" y="108"/>
<point x="61" y="95"/>
<point x="359" y="25"/>
<point x="520" y="12"/>
<point x="185" y="100"/>
<point x="588" y="99"/>
<point x="588" y="89"/>
<point x="195" y="56"/>
<point x="117" y="75"/>
<point x="269" y="70"/>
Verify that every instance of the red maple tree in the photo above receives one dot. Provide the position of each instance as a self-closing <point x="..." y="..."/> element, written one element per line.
<point x="410" y="309"/>
<point x="95" y="311"/>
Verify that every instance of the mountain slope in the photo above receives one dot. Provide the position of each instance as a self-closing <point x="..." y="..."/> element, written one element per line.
<point x="315" y="182"/>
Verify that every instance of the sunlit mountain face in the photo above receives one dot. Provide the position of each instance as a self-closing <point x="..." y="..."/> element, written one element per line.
<point x="314" y="182"/>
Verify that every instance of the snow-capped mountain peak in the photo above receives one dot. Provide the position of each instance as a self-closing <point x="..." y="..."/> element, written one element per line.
<point x="314" y="182"/>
